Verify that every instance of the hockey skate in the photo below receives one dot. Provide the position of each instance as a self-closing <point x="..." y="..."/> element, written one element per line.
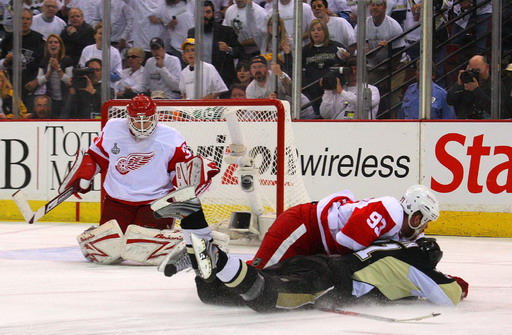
<point x="177" y="260"/>
<point x="206" y="255"/>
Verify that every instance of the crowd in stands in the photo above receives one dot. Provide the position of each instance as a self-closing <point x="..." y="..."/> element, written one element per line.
<point x="153" y="52"/>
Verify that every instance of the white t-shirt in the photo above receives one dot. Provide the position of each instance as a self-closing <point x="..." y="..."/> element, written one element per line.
<point x="144" y="30"/>
<point x="212" y="81"/>
<point x="185" y="18"/>
<point x="341" y="31"/>
<point x="342" y="106"/>
<point x="91" y="52"/>
<point x="248" y="22"/>
<point x="138" y="170"/>
<point x="287" y="13"/>
<point x="121" y="19"/>
<point x="46" y="28"/>
<point x="130" y="79"/>
<point x="166" y="78"/>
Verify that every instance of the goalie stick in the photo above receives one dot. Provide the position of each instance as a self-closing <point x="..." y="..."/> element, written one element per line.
<point x="32" y="217"/>
<point x="377" y="317"/>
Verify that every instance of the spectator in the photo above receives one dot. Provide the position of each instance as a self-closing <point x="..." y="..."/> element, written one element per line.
<point x="340" y="8"/>
<point x="121" y="21"/>
<point x="287" y="13"/>
<point x="161" y="72"/>
<point x="243" y="73"/>
<point x="220" y="45"/>
<point x="6" y="8"/>
<point x="212" y="86"/>
<point x="261" y="86"/>
<point x="177" y="18"/>
<point x="284" y="44"/>
<point x="238" y="91"/>
<point x="482" y="19"/>
<point x="248" y="20"/>
<point x="148" y="22"/>
<point x="47" y="23"/>
<point x="221" y="6"/>
<point x="132" y="76"/>
<point x="507" y="90"/>
<point x="55" y="72"/>
<point x="32" y="46"/>
<point x="340" y="101"/>
<point x="411" y="103"/>
<point x="340" y="30"/>
<point x="42" y="108"/>
<point x="77" y="35"/>
<point x="6" y="99"/>
<point x="87" y="8"/>
<point x="380" y="28"/>
<point x="317" y="57"/>
<point x="94" y="51"/>
<point x="471" y="95"/>
<point x="84" y="101"/>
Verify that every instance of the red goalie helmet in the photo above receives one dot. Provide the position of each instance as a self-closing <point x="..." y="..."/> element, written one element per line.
<point x="142" y="117"/>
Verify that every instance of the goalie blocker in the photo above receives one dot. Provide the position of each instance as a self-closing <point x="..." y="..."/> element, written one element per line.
<point x="107" y="244"/>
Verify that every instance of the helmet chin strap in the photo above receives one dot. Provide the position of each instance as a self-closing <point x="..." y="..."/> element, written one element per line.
<point x="415" y="230"/>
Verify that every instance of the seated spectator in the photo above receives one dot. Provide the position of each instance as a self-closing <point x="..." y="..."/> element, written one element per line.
<point x="86" y="6"/>
<point x="6" y="8"/>
<point x="243" y="73"/>
<point x="411" y="103"/>
<point x="238" y="91"/>
<point x="6" y="92"/>
<point x="84" y="100"/>
<point x="161" y="72"/>
<point x="94" y="51"/>
<point x="42" y="108"/>
<point x="47" y="23"/>
<point x="55" y="72"/>
<point x="131" y="76"/>
<point x="340" y="96"/>
<point x="471" y="95"/>
<point x="261" y="86"/>
<point x="77" y="35"/>
<point x="213" y="85"/>
<point x="32" y="46"/>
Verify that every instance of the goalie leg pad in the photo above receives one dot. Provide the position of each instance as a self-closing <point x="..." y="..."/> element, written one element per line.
<point x="83" y="170"/>
<point x="102" y="244"/>
<point x="149" y="246"/>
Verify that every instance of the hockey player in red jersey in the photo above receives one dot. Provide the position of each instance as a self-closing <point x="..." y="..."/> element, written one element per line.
<point x="339" y="224"/>
<point x="140" y="158"/>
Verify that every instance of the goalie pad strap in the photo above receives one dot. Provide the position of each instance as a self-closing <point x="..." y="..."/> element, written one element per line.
<point x="102" y="244"/>
<point x="149" y="246"/>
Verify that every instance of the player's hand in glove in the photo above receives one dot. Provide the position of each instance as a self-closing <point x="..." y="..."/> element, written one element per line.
<point x="80" y="174"/>
<point x="463" y="285"/>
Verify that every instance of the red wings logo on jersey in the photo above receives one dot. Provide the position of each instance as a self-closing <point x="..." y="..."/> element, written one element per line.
<point x="133" y="162"/>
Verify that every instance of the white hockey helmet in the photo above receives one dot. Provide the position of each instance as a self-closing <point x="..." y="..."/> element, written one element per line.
<point x="142" y="116"/>
<point x="419" y="198"/>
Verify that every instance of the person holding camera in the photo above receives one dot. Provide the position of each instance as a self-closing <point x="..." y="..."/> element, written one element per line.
<point x="340" y="93"/>
<point x="84" y="101"/>
<point x="471" y="95"/>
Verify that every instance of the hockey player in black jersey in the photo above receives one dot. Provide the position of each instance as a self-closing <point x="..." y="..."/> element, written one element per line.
<point x="384" y="271"/>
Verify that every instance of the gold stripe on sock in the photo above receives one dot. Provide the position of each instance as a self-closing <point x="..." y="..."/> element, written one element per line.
<point x="241" y="276"/>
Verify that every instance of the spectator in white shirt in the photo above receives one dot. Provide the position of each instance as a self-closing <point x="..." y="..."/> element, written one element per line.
<point x="121" y="21"/>
<point x="47" y="23"/>
<point x="132" y="76"/>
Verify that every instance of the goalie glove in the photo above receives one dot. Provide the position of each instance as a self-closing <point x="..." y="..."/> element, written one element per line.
<point x="197" y="172"/>
<point x="80" y="174"/>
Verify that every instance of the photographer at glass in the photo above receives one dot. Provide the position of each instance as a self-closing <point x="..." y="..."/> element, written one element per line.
<point x="340" y="93"/>
<point x="84" y="100"/>
<point x="471" y="95"/>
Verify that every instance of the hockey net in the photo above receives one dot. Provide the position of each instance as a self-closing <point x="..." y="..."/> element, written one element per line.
<point x="211" y="126"/>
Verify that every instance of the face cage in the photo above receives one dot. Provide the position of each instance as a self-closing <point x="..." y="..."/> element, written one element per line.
<point x="142" y="132"/>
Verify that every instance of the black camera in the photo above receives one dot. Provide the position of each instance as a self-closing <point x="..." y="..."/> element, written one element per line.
<point x="468" y="75"/>
<point x="79" y="77"/>
<point x="329" y="80"/>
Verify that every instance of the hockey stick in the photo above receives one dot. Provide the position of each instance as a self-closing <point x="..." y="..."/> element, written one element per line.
<point x="377" y="317"/>
<point x="32" y="217"/>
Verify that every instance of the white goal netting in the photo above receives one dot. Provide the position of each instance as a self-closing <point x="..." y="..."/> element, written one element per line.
<point x="264" y="129"/>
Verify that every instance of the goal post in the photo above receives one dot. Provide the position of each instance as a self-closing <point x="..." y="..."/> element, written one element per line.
<point x="252" y="142"/>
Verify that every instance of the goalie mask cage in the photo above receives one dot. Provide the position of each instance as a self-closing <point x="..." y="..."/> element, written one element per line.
<point x="263" y="126"/>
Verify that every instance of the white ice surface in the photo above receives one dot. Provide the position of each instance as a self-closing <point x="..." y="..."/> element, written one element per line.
<point x="47" y="287"/>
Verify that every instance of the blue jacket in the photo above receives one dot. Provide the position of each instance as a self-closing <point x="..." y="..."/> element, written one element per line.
<point x="440" y="108"/>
